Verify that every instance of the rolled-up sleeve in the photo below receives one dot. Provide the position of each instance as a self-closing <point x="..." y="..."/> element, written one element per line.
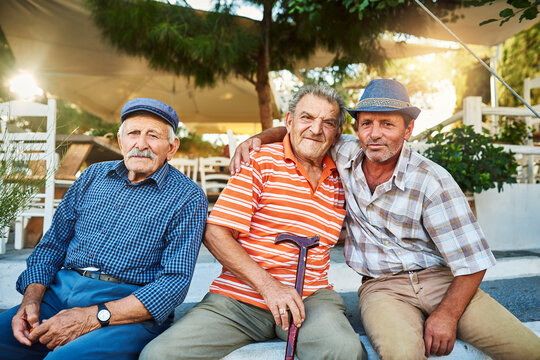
<point x="183" y="238"/>
<point x="454" y="230"/>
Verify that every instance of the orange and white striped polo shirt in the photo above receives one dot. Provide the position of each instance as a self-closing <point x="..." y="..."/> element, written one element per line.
<point x="271" y="197"/>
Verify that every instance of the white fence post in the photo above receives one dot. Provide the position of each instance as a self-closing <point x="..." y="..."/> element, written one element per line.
<point x="472" y="112"/>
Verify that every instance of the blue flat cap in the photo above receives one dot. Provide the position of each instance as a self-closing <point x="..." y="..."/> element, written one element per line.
<point x="153" y="106"/>
<point x="385" y="95"/>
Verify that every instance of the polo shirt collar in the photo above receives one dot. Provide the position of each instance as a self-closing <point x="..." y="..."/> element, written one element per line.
<point x="328" y="164"/>
<point x="158" y="177"/>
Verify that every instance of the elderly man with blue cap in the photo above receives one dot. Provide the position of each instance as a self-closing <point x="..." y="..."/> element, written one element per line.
<point x="119" y="255"/>
<point x="413" y="238"/>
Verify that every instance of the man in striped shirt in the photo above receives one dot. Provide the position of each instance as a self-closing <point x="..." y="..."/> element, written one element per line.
<point x="413" y="237"/>
<point x="289" y="187"/>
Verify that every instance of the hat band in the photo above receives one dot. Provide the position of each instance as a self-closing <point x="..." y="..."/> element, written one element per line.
<point x="382" y="102"/>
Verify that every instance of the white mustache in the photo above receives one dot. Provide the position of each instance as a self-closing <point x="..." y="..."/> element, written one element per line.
<point x="144" y="153"/>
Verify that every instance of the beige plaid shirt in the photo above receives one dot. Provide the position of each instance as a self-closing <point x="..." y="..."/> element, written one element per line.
<point x="416" y="220"/>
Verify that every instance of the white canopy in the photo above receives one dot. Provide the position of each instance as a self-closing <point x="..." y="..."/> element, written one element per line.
<point x="58" y="42"/>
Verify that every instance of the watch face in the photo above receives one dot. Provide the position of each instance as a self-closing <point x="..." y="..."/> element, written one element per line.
<point x="103" y="315"/>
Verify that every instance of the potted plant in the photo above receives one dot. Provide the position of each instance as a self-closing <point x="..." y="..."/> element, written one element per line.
<point x="472" y="160"/>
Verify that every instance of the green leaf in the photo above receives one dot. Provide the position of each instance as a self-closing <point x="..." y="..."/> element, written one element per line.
<point x="487" y="22"/>
<point x="529" y="13"/>
<point x="506" y="13"/>
<point x="520" y="4"/>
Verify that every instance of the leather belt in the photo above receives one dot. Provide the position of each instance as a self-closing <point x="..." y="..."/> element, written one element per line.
<point x="366" y="278"/>
<point x="98" y="276"/>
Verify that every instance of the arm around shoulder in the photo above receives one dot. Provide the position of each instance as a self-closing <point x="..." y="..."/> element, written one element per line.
<point x="268" y="136"/>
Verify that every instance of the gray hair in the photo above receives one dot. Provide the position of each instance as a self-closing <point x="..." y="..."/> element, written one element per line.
<point x="324" y="92"/>
<point x="171" y="135"/>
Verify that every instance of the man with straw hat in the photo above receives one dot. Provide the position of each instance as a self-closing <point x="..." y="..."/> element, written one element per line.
<point x="413" y="238"/>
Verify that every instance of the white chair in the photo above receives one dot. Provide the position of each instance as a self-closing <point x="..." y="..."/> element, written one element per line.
<point x="232" y="143"/>
<point x="27" y="147"/>
<point x="214" y="172"/>
<point x="4" y="233"/>
<point x="187" y="166"/>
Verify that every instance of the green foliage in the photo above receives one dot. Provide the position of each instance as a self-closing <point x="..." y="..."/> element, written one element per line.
<point x="512" y="131"/>
<point x="7" y="67"/>
<point x="212" y="45"/>
<point x="520" y="59"/>
<point x="472" y="79"/>
<point x="71" y="119"/>
<point x="524" y="8"/>
<point x="17" y="187"/>
<point x="192" y="145"/>
<point x="472" y="160"/>
<point x="176" y="38"/>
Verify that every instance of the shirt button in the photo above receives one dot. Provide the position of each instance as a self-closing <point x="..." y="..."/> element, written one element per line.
<point x="90" y="255"/>
<point x="116" y="206"/>
<point x="103" y="231"/>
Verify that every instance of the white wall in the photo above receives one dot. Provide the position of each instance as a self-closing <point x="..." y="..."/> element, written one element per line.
<point x="510" y="219"/>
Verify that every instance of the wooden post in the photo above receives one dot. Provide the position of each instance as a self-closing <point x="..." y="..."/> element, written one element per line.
<point x="527" y="86"/>
<point x="472" y="112"/>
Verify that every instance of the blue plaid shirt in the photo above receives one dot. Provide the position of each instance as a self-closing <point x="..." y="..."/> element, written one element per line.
<point x="148" y="233"/>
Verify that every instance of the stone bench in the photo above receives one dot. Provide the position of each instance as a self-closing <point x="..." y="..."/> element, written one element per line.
<point x="275" y="349"/>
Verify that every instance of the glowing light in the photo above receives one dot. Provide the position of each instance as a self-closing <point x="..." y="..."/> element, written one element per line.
<point x="25" y="86"/>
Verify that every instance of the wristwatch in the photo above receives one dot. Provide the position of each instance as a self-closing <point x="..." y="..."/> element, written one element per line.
<point x="103" y="315"/>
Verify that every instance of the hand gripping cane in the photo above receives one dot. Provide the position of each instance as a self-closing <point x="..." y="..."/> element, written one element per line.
<point x="304" y="243"/>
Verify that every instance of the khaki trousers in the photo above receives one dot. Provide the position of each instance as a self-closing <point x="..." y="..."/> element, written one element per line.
<point x="394" y="309"/>
<point x="218" y="325"/>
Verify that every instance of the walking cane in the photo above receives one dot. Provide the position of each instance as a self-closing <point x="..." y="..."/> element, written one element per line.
<point x="304" y="243"/>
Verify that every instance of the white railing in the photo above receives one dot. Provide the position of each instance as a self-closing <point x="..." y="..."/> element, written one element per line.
<point x="528" y="156"/>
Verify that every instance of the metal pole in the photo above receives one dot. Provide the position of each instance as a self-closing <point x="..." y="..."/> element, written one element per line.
<point x="477" y="58"/>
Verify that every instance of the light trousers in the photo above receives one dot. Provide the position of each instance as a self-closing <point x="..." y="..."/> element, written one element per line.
<point x="394" y="309"/>
<point x="70" y="289"/>
<point x="218" y="325"/>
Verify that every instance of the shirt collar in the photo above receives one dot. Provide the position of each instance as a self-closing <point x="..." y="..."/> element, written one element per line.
<point x="399" y="171"/>
<point x="158" y="177"/>
<point x="401" y="167"/>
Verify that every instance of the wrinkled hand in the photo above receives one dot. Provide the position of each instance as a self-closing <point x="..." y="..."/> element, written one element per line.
<point x="65" y="326"/>
<point x="241" y="155"/>
<point x="440" y="333"/>
<point x="26" y="318"/>
<point x="278" y="296"/>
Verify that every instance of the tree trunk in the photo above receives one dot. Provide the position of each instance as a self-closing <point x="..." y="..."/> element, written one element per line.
<point x="263" y="86"/>
<point x="265" y="99"/>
